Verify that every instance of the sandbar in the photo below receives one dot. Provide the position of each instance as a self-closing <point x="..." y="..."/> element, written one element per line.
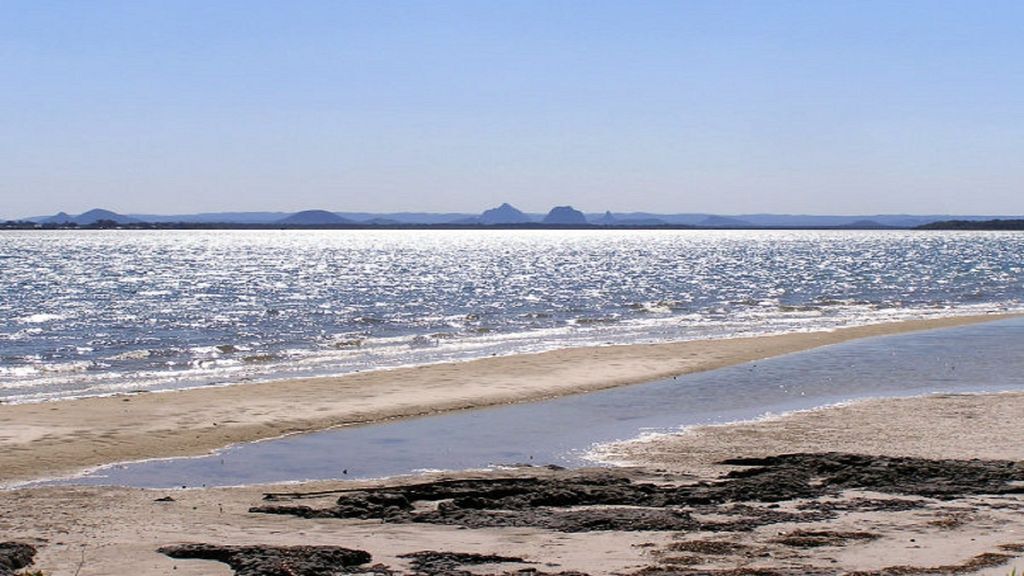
<point x="53" y="438"/>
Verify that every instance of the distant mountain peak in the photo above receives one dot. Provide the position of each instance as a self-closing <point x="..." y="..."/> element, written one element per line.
<point x="313" y="218"/>
<point x="90" y="217"/>
<point x="504" y="214"/>
<point x="565" y="215"/>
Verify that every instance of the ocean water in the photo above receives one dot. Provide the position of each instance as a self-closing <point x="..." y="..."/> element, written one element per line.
<point x="99" y="312"/>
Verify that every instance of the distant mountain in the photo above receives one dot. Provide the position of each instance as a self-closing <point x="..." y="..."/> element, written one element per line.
<point x="564" y="215"/>
<point x="723" y="222"/>
<point x="609" y="219"/>
<point x="504" y="214"/>
<point x="58" y="218"/>
<point x="408" y="217"/>
<point x="1010" y="224"/>
<point x="313" y="218"/>
<point x="216" y="217"/>
<point x="865" y="225"/>
<point x="88" y="218"/>
<point x="507" y="214"/>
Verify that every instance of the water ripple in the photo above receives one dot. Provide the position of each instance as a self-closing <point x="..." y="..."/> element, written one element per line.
<point x="155" y="310"/>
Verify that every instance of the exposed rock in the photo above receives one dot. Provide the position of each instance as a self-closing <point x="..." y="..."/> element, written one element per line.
<point x="451" y="563"/>
<point x="817" y="538"/>
<point x="941" y="479"/>
<point x="578" y="501"/>
<point x="277" y="560"/>
<point x="15" y="556"/>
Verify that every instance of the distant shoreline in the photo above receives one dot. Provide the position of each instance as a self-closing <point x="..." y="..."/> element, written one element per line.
<point x="358" y="226"/>
<point x="951" y="225"/>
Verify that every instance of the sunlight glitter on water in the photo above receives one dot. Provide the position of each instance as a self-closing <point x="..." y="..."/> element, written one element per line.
<point x="97" y="312"/>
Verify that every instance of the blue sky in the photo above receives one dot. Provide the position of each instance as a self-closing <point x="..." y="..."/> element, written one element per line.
<point x="687" y="106"/>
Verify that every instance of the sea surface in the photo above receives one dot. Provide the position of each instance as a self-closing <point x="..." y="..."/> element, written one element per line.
<point x="86" y="313"/>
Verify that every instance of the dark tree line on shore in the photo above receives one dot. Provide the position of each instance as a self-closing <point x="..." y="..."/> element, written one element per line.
<point x="974" y="225"/>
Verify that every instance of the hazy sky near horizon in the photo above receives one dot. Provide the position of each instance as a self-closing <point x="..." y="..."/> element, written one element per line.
<point x="853" y="107"/>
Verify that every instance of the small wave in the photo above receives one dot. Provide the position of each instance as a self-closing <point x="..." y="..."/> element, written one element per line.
<point x="421" y="341"/>
<point x="799" y="308"/>
<point x="369" y="320"/>
<point x="131" y="355"/>
<point x="259" y="358"/>
<point x="346" y="341"/>
<point x="40" y="318"/>
<point x="213" y="351"/>
<point x="659" y="307"/>
<point x="18" y="371"/>
<point x="587" y="321"/>
<point x="211" y="364"/>
<point x="79" y="366"/>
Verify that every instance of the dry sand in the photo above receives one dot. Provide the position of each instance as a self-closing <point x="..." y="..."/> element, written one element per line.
<point x="47" y="439"/>
<point x="946" y="426"/>
<point x="93" y="531"/>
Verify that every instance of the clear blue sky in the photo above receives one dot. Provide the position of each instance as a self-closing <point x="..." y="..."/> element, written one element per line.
<point x="719" y="106"/>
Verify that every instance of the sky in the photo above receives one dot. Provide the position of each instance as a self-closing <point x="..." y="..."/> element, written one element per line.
<point x="729" y="107"/>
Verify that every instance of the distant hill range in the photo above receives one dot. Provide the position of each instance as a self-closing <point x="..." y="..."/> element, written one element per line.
<point x="313" y="218"/>
<point x="89" y="218"/>
<point x="509" y="216"/>
<point x="1015" y="224"/>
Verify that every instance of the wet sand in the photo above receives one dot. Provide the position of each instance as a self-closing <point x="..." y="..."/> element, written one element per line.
<point x="47" y="439"/>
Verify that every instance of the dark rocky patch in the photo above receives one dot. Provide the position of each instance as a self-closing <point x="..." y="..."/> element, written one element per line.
<point x="834" y="472"/>
<point x="595" y="500"/>
<point x="451" y="563"/>
<point x="583" y="520"/>
<point x="864" y="505"/>
<point x="752" y="516"/>
<point x="708" y="547"/>
<point x="336" y="561"/>
<point x="278" y="560"/>
<point x="577" y="501"/>
<point x="979" y="562"/>
<point x="746" y="571"/>
<point x="15" y="556"/>
<point x="817" y="538"/>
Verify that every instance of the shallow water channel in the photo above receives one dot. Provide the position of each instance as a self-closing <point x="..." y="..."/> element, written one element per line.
<point x="979" y="358"/>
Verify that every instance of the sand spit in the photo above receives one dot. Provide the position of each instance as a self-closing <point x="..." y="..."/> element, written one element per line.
<point x="46" y="439"/>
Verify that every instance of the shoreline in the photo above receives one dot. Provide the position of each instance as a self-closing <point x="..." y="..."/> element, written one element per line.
<point x="58" y="438"/>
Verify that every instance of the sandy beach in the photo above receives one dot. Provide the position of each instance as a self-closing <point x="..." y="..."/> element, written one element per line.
<point x="673" y="510"/>
<point x="859" y="530"/>
<point x="54" y="438"/>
